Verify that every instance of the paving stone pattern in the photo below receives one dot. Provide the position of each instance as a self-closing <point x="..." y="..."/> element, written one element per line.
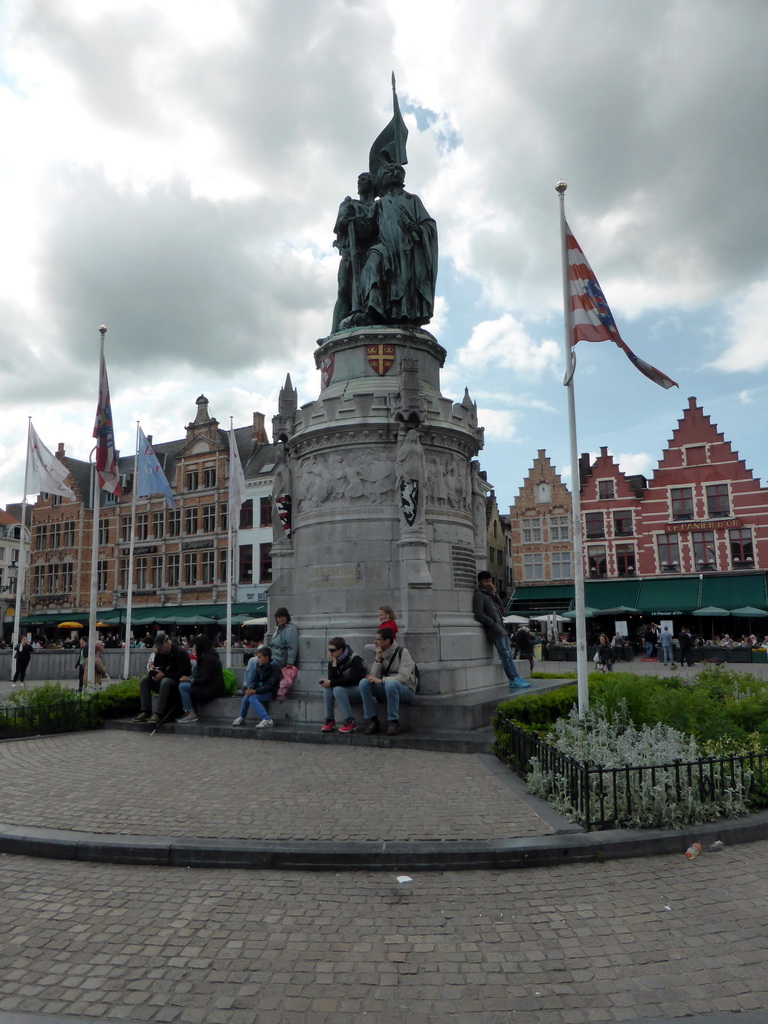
<point x="619" y="941"/>
<point x="202" y="787"/>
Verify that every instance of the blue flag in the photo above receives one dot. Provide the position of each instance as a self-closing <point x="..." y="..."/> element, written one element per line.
<point x="150" y="479"/>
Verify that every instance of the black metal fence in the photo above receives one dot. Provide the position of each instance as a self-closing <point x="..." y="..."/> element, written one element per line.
<point x="72" y="715"/>
<point x="600" y="798"/>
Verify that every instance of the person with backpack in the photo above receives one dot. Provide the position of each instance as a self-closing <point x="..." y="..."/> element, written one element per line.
<point x="345" y="670"/>
<point x="393" y="680"/>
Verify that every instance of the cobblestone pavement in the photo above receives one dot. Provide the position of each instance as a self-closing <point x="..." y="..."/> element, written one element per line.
<point x="620" y="941"/>
<point x="201" y="787"/>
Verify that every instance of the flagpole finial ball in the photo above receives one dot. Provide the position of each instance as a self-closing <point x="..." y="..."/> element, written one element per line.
<point x="102" y="330"/>
<point x="561" y="186"/>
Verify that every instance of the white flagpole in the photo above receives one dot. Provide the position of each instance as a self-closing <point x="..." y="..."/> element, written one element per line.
<point x="578" y="549"/>
<point x="230" y="555"/>
<point x="96" y="497"/>
<point x="129" y="592"/>
<point x="22" y="572"/>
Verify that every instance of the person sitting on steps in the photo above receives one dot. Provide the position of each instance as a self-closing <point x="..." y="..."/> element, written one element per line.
<point x="392" y="680"/>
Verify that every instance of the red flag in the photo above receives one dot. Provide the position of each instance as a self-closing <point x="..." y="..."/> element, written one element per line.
<point x="591" y="317"/>
<point x="104" y="432"/>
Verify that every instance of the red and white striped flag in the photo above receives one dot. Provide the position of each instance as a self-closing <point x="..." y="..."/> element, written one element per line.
<point x="590" y="316"/>
<point x="104" y="432"/>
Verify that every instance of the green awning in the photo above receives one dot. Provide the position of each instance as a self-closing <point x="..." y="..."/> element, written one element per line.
<point x="553" y="597"/>
<point x="45" y="619"/>
<point x="673" y="596"/>
<point x="734" y="591"/>
<point x="611" y="593"/>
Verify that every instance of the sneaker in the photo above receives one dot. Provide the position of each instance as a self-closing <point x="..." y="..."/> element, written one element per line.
<point x="265" y="723"/>
<point x="373" y="727"/>
<point x="153" y="720"/>
<point x="393" y="728"/>
<point x="239" y="720"/>
<point x="141" y="717"/>
<point x="330" y="725"/>
<point x="190" y="718"/>
<point x="349" y="726"/>
<point x="520" y="684"/>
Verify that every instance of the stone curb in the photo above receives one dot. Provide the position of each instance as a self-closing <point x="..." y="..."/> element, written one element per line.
<point x="542" y="851"/>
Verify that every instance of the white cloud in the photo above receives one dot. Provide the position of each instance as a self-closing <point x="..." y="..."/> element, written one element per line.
<point x="506" y="343"/>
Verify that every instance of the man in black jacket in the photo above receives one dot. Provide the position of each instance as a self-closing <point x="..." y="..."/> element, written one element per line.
<point x="171" y="662"/>
<point x="487" y="609"/>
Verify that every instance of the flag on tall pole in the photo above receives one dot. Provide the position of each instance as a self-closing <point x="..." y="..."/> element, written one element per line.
<point x="150" y="479"/>
<point x="104" y="432"/>
<point x="591" y="317"/>
<point x="44" y="471"/>
<point x="236" y="478"/>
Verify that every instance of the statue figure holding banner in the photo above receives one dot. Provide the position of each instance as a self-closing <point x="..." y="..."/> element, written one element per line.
<point x="395" y="282"/>
<point x="354" y="231"/>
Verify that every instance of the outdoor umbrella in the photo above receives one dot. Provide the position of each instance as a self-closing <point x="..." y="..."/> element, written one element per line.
<point x="589" y="613"/>
<point x="749" y="613"/>
<point x="711" y="610"/>
<point x="265" y="622"/>
<point x="620" y="609"/>
<point x="70" y="625"/>
<point x="518" y="620"/>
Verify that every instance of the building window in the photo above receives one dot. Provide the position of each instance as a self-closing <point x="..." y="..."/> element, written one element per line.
<point x="625" y="560"/>
<point x="622" y="524"/>
<point x="190" y="520"/>
<point x="223" y="516"/>
<point x="123" y="573"/>
<point x="696" y="455"/>
<point x="67" y="577"/>
<point x="173" y="570"/>
<point x="265" y="563"/>
<point x="597" y="563"/>
<point x="209" y="518"/>
<point x="208" y="567"/>
<point x="157" y="572"/>
<point x="543" y="493"/>
<point x="718" y="501"/>
<point x="53" y="577"/>
<point x="173" y="522"/>
<point x="593" y="522"/>
<point x="142" y="526"/>
<point x="605" y="489"/>
<point x="193" y="480"/>
<point x="245" y="563"/>
<point x="125" y="528"/>
<point x="532" y="530"/>
<point x="704" y="550"/>
<point x="101" y="575"/>
<point x="56" y="499"/>
<point x="533" y="566"/>
<point x="190" y="569"/>
<point x="209" y="478"/>
<point x="39" y="577"/>
<point x="68" y="535"/>
<point x="559" y="528"/>
<point x="561" y="565"/>
<point x="141" y="573"/>
<point x="681" y="500"/>
<point x="223" y="573"/>
<point x="265" y="511"/>
<point x="742" y="554"/>
<point x="42" y="537"/>
<point x="668" y="547"/>
<point x="54" y="537"/>
<point x="246" y="515"/>
<point x="158" y="524"/>
<point x="103" y="531"/>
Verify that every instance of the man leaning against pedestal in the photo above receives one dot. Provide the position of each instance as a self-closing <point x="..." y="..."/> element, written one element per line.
<point x="488" y="610"/>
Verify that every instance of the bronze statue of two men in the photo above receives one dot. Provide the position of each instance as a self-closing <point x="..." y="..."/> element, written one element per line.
<point x="387" y="241"/>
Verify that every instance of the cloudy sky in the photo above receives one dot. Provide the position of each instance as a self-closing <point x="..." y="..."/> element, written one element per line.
<point x="173" y="170"/>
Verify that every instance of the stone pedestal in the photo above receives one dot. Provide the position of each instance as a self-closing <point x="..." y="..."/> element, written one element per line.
<point x="381" y="499"/>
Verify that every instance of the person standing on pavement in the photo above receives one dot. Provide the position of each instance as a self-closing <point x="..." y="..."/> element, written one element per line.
<point x="170" y="663"/>
<point x="665" y="642"/>
<point x="392" y="680"/>
<point x="22" y="656"/>
<point x="685" y="640"/>
<point x="488" y="610"/>
<point x="525" y="645"/>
